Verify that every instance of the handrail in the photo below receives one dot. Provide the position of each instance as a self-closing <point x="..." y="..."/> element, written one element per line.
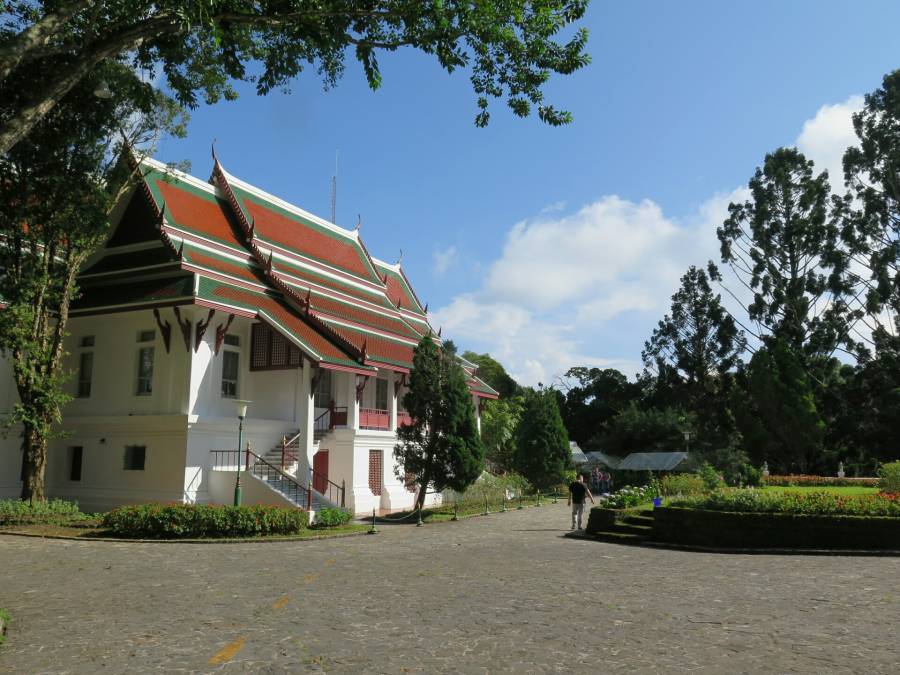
<point x="374" y="418"/>
<point x="260" y="465"/>
<point x="330" y="486"/>
<point x="285" y="443"/>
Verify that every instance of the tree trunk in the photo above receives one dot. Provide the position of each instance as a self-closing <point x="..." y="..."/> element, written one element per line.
<point x="420" y="499"/>
<point x="34" y="448"/>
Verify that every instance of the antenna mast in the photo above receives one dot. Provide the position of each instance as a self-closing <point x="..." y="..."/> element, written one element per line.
<point x="334" y="189"/>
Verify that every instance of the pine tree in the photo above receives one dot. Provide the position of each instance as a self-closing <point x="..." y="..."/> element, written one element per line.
<point x="542" y="446"/>
<point x="441" y="448"/>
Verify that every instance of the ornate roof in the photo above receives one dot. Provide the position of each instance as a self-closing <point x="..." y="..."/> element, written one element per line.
<point x="228" y="245"/>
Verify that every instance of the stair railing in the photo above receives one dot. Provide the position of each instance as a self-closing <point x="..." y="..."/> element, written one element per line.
<point x="289" y="486"/>
<point x="288" y="457"/>
<point x="332" y="417"/>
<point x="331" y="490"/>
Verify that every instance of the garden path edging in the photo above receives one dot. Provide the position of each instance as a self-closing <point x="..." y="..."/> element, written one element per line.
<point x="241" y="540"/>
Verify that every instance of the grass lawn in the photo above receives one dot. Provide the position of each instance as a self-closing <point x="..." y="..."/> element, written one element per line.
<point x="843" y="490"/>
<point x="95" y="531"/>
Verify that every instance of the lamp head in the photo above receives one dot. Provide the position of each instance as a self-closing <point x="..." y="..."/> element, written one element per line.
<point x="103" y="91"/>
<point x="241" y="407"/>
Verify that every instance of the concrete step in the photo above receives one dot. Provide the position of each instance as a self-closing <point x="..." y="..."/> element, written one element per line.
<point x="619" y="537"/>
<point x="637" y="530"/>
<point x="639" y="520"/>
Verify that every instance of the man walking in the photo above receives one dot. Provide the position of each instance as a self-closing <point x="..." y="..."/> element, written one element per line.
<point x="577" y="491"/>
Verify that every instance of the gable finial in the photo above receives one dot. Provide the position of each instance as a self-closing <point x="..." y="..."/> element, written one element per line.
<point x="399" y="301"/>
<point x="252" y="227"/>
<point x="358" y="222"/>
<point x="214" y="156"/>
<point x="365" y="345"/>
<point x="308" y="297"/>
<point x="426" y="308"/>
<point x="162" y="217"/>
<point x="400" y="259"/>
<point x="440" y="328"/>
<point x="181" y="250"/>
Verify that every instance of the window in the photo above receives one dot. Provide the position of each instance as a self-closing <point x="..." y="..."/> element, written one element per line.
<point x="381" y="402"/>
<point x="135" y="457"/>
<point x="375" y="471"/>
<point x="85" y="370"/>
<point x="230" y="361"/>
<point x="145" y="371"/>
<point x="323" y="389"/>
<point x="232" y="340"/>
<point x="145" y="364"/>
<point x="87" y="341"/>
<point x="270" y="350"/>
<point x="75" y="463"/>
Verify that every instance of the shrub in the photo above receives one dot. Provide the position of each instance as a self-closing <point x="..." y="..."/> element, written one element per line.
<point x="331" y="517"/>
<point x="54" y="511"/>
<point x="681" y="484"/>
<point x="627" y="497"/>
<point x="802" y="480"/>
<point x="889" y="477"/>
<point x="710" y="476"/>
<point x="179" y="521"/>
<point x="796" y="503"/>
<point x="750" y="476"/>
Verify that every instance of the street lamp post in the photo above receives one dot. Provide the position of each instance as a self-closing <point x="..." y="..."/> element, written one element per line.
<point x="687" y="441"/>
<point x="241" y="413"/>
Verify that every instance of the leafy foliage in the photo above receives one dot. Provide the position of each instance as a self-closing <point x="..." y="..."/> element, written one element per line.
<point x="889" y="478"/>
<point x="499" y="422"/>
<point x="54" y="511"/>
<point x="638" y="430"/>
<point x="509" y="47"/>
<point x="332" y="517"/>
<point x="593" y="397"/>
<point x="542" y="444"/>
<point x="492" y="371"/>
<point x="682" y="484"/>
<point x="184" y="521"/>
<point x="442" y="448"/>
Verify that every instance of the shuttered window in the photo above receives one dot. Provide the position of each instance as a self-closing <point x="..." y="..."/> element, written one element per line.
<point x="375" y="466"/>
<point x="270" y="350"/>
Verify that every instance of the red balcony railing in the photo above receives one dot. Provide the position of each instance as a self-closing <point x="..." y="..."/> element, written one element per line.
<point x="403" y="418"/>
<point x="331" y="418"/>
<point x="373" y="418"/>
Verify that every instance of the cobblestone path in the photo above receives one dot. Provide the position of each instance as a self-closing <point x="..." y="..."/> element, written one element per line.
<point x="505" y="593"/>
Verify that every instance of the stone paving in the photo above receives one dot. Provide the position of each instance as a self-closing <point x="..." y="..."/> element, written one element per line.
<point x="504" y="593"/>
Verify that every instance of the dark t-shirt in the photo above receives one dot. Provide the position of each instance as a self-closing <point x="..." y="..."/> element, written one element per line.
<point x="578" y="490"/>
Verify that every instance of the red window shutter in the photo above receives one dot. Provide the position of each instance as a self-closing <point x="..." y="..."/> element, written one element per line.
<point x="375" y="466"/>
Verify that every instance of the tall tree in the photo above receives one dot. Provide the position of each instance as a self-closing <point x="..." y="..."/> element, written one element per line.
<point x="442" y="447"/>
<point x="508" y="46"/>
<point x="499" y="422"/>
<point x="542" y="444"/>
<point x="57" y="188"/>
<point x="492" y="371"/>
<point x="784" y="248"/>
<point x="872" y="175"/>
<point x="693" y="350"/>
<point x="593" y="396"/>
<point x="652" y="430"/>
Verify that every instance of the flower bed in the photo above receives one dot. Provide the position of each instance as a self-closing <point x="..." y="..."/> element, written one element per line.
<point x="54" y="511"/>
<point x="795" y="503"/>
<point x="800" y="480"/>
<point x="627" y="497"/>
<point x="189" y="521"/>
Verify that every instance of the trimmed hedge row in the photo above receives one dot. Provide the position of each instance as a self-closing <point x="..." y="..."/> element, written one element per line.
<point x="195" y="521"/>
<point x="602" y="519"/>
<point x="723" y="529"/>
<point x="801" y="480"/>
<point x="17" y="511"/>
<point x="331" y="517"/>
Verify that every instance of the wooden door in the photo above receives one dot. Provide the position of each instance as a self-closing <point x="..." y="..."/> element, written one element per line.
<point x="320" y="471"/>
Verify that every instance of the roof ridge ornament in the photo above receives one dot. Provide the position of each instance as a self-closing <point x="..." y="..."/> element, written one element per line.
<point x="426" y="308"/>
<point x="400" y="259"/>
<point x="399" y="301"/>
<point x="213" y="149"/>
<point x="308" y="297"/>
<point x="162" y="217"/>
<point x="358" y="222"/>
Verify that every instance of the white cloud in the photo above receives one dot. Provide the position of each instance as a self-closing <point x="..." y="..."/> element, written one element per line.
<point x="563" y="279"/>
<point x="444" y="260"/>
<point x="825" y="137"/>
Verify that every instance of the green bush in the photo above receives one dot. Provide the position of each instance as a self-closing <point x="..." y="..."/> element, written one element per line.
<point x="710" y="476"/>
<point x="331" y="517"/>
<point x="721" y="529"/>
<point x="681" y="484"/>
<point x="181" y="521"/>
<point x="54" y="511"/>
<point x="889" y="477"/>
<point x="627" y="497"/>
<point x="797" y="503"/>
<point x="750" y="476"/>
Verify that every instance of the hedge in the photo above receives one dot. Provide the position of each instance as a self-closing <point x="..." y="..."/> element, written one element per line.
<point x="812" y="503"/>
<point x="602" y="519"/>
<point x="801" y="480"/>
<point x="194" y="521"/>
<point x="723" y="529"/>
<point x="16" y="511"/>
<point x="331" y="517"/>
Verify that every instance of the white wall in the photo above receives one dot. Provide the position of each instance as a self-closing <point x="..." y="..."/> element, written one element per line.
<point x="253" y="490"/>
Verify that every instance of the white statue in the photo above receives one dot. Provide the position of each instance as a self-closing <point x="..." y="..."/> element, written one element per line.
<point x="765" y="468"/>
<point x="840" y="469"/>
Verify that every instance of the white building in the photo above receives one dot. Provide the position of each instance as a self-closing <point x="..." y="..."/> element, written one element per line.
<point x="207" y="293"/>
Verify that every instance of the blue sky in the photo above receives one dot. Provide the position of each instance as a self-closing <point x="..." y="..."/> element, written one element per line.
<point x="552" y="247"/>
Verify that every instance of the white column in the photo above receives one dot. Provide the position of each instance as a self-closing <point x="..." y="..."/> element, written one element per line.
<point x="476" y="401"/>
<point x="306" y="413"/>
<point x="392" y="399"/>
<point x="352" y="403"/>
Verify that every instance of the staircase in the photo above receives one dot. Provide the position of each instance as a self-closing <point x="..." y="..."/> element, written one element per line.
<point x="286" y="479"/>
<point x="290" y="488"/>
<point x="291" y="454"/>
<point x="632" y="529"/>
